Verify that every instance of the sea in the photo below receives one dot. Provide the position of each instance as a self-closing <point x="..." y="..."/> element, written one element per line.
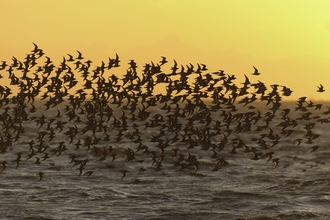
<point x="246" y="188"/>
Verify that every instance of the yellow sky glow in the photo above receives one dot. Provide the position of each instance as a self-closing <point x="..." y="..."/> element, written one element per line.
<point x="288" y="41"/>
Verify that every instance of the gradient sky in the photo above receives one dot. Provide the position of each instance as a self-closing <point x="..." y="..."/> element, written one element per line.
<point x="288" y="41"/>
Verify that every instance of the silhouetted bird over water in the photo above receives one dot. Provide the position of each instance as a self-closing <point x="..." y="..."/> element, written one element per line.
<point x="40" y="174"/>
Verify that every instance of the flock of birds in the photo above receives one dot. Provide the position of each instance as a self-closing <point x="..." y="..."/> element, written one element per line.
<point x="87" y="113"/>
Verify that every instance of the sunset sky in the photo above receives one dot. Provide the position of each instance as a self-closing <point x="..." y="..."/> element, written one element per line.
<point x="288" y="41"/>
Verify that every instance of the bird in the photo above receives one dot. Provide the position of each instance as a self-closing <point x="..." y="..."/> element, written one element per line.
<point x="256" y="72"/>
<point x="298" y="141"/>
<point x="269" y="156"/>
<point x="80" y="57"/>
<point x="275" y="161"/>
<point x="40" y="174"/>
<point x="88" y="173"/>
<point x="70" y="58"/>
<point x="320" y="88"/>
<point x="124" y="174"/>
<point x="3" y="163"/>
<point x="36" y="49"/>
<point x="163" y="61"/>
<point x="18" y="159"/>
<point x="286" y="91"/>
<point x="314" y="148"/>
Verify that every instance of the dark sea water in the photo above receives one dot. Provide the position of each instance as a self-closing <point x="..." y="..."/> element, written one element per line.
<point x="298" y="188"/>
<point x="81" y="142"/>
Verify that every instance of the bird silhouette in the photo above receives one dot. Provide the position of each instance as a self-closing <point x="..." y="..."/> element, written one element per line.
<point x="320" y="88"/>
<point x="80" y="57"/>
<point x="256" y="72"/>
<point x="40" y="174"/>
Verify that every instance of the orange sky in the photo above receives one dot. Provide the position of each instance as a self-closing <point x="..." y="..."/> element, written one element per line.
<point x="288" y="41"/>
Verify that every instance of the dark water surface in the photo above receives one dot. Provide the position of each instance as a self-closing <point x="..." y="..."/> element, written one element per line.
<point x="299" y="188"/>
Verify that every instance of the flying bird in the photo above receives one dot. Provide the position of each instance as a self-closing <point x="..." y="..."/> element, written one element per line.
<point x="298" y="142"/>
<point x="80" y="57"/>
<point x="256" y="72"/>
<point x="3" y="165"/>
<point x="163" y="61"/>
<point x="40" y="174"/>
<point x="124" y="174"/>
<point x="320" y="89"/>
<point x="275" y="162"/>
<point x="36" y="49"/>
<point x="70" y="58"/>
<point x="314" y="148"/>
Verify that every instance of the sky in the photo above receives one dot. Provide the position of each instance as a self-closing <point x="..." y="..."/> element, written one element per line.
<point x="288" y="41"/>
